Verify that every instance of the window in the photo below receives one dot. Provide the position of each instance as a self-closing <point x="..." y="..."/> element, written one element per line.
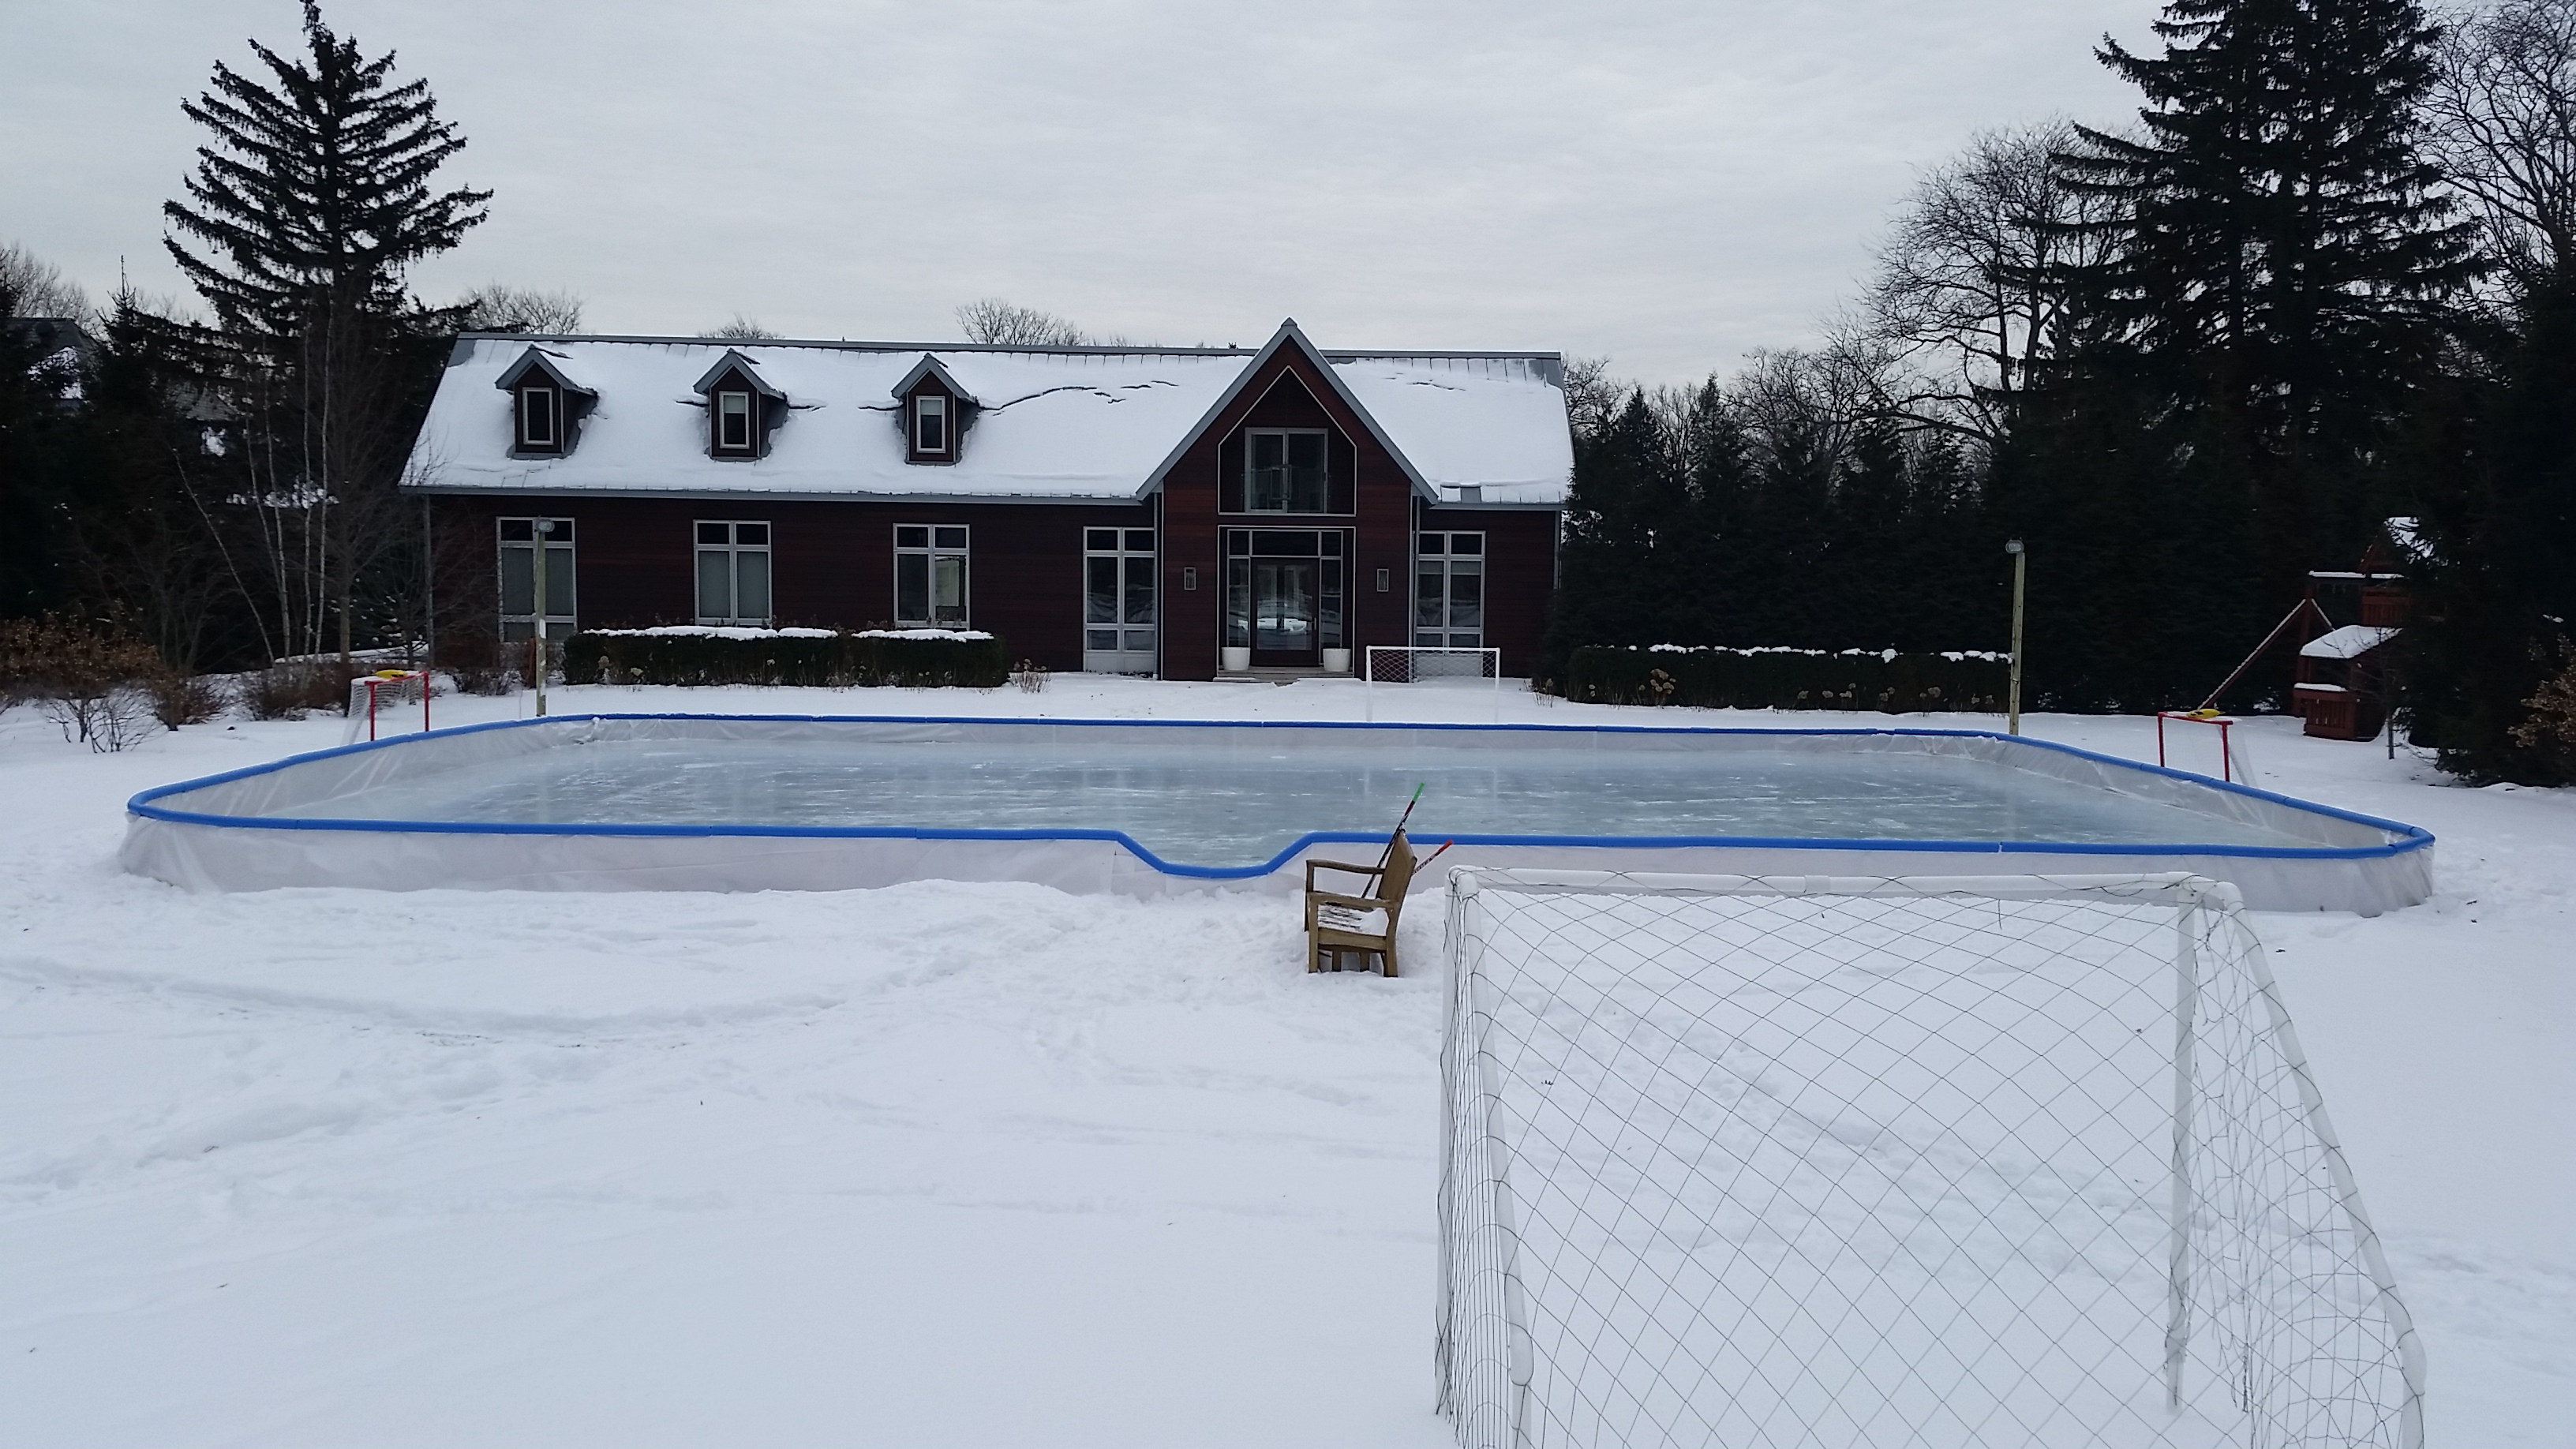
<point x="1449" y="591"/>
<point x="930" y="575"/>
<point x="733" y="422"/>
<point x="1284" y="472"/>
<point x="519" y="578"/>
<point x="733" y="573"/>
<point x="1118" y="600"/>
<point x="930" y="424"/>
<point x="537" y="418"/>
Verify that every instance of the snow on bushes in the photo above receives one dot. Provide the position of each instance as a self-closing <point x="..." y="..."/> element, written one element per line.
<point x="683" y="654"/>
<point x="1717" y="677"/>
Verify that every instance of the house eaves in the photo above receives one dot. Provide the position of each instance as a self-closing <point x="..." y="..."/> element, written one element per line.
<point x="1289" y="334"/>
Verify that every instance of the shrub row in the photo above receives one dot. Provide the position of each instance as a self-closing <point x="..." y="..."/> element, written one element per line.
<point x="1720" y="678"/>
<point x="804" y="656"/>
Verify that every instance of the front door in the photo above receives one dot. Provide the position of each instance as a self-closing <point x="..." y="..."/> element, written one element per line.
<point x="1283" y="594"/>
<point x="1283" y="612"/>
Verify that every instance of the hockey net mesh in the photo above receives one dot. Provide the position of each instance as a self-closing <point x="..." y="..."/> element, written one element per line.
<point x="1746" y="1162"/>
<point x="382" y="704"/>
<point x="1411" y="664"/>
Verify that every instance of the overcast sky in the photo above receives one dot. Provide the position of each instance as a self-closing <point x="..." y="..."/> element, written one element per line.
<point x="1671" y="185"/>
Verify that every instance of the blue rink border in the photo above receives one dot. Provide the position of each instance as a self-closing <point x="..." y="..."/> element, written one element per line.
<point x="2410" y="837"/>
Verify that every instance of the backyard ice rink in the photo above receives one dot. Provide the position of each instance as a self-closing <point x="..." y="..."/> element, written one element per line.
<point x="969" y="1164"/>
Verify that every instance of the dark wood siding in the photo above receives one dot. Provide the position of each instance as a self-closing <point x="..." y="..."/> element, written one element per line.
<point x="1520" y="576"/>
<point x="832" y="563"/>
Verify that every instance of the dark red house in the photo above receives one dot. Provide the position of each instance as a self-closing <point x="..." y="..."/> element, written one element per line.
<point x="1180" y="512"/>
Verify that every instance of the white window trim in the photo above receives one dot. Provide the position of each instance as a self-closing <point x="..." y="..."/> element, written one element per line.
<point x="734" y="550"/>
<point x="1485" y="598"/>
<point x="934" y="551"/>
<point x="1123" y="659"/>
<point x="922" y="411"/>
<point x="570" y="621"/>
<point x="1326" y="434"/>
<point x="750" y="439"/>
<point x="554" y="416"/>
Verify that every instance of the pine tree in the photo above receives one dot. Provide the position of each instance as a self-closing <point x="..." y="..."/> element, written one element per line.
<point x="1626" y="487"/>
<point x="307" y="211"/>
<point x="2284" y="257"/>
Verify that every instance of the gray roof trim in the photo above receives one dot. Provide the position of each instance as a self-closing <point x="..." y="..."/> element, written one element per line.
<point x="929" y="366"/>
<point x="756" y="495"/>
<point x="731" y="361"/>
<point x="535" y="359"/>
<point x="1287" y="334"/>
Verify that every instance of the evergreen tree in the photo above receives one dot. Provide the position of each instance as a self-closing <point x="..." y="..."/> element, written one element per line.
<point x="1627" y="489"/>
<point x="2283" y="262"/>
<point x="306" y="213"/>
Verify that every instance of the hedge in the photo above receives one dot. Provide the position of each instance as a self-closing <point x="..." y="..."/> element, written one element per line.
<point x="1722" y="678"/>
<point x="915" y="658"/>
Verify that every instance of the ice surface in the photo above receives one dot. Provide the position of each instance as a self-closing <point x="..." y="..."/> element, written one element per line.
<point x="1237" y="798"/>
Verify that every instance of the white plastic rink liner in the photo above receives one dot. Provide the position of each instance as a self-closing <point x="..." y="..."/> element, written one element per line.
<point x="306" y="820"/>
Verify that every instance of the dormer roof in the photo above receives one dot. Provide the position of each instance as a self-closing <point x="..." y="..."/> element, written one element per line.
<point x="930" y="366"/>
<point x="535" y="359"/>
<point x="734" y="361"/>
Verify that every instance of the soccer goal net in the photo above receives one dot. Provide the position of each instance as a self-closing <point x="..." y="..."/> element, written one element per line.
<point x="1478" y="673"/>
<point x="1928" y="1162"/>
<point x="388" y="702"/>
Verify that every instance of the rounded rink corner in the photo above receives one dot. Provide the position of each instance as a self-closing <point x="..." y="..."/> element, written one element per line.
<point x="1147" y="808"/>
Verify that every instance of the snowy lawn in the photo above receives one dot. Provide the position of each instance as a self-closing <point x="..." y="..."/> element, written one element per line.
<point x="952" y="1164"/>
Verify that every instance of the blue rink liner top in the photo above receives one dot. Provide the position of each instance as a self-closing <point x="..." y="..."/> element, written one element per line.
<point x="2410" y="837"/>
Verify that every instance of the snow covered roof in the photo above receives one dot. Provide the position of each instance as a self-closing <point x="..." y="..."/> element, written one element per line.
<point x="1074" y="423"/>
<point x="2349" y="642"/>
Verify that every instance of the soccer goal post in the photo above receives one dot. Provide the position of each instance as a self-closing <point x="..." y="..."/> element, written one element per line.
<point x="1928" y="1161"/>
<point x="1476" y="672"/>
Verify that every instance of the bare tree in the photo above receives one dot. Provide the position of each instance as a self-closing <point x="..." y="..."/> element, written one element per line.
<point x="498" y="308"/>
<point x="2501" y="122"/>
<point x="33" y="287"/>
<point x="992" y="320"/>
<point x="743" y="329"/>
<point x="1972" y="288"/>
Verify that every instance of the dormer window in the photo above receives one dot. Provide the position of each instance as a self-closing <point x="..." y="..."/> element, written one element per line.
<point x="743" y="411"/>
<point x="546" y="407"/>
<point x="733" y="422"/>
<point x="538" y="413"/>
<point x="932" y="412"/>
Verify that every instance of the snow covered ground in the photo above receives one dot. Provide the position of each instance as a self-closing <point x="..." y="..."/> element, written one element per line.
<point x="950" y="1164"/>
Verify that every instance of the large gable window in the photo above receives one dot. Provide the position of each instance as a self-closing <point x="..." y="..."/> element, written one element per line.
<point x="1285" y="471"/>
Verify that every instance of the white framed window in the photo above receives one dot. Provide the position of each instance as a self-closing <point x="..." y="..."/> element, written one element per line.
<point x="1284" y="471"/>
<point x="733" y="573"/>
<point x="1118" y="588"/>
<point x="733" y="421"/>
<point x="539" y="427"/>
<point x="1449" y="591"/>
<point x="930" y="575"/>
<point x="518" y="543"/>
<point x="930" y="424"/>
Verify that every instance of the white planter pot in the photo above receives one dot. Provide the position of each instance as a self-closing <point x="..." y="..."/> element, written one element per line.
<point x="1337" y="661"/>
<point x="1234" y="661"/>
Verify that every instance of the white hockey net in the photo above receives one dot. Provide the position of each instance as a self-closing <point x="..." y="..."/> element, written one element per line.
<point x="387" y="704"/>
<point x="1926" y="1162"/>
<point x="1476" y="675"/>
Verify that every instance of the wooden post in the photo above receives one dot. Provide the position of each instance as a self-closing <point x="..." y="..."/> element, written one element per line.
<point x="2012" y="697"/>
